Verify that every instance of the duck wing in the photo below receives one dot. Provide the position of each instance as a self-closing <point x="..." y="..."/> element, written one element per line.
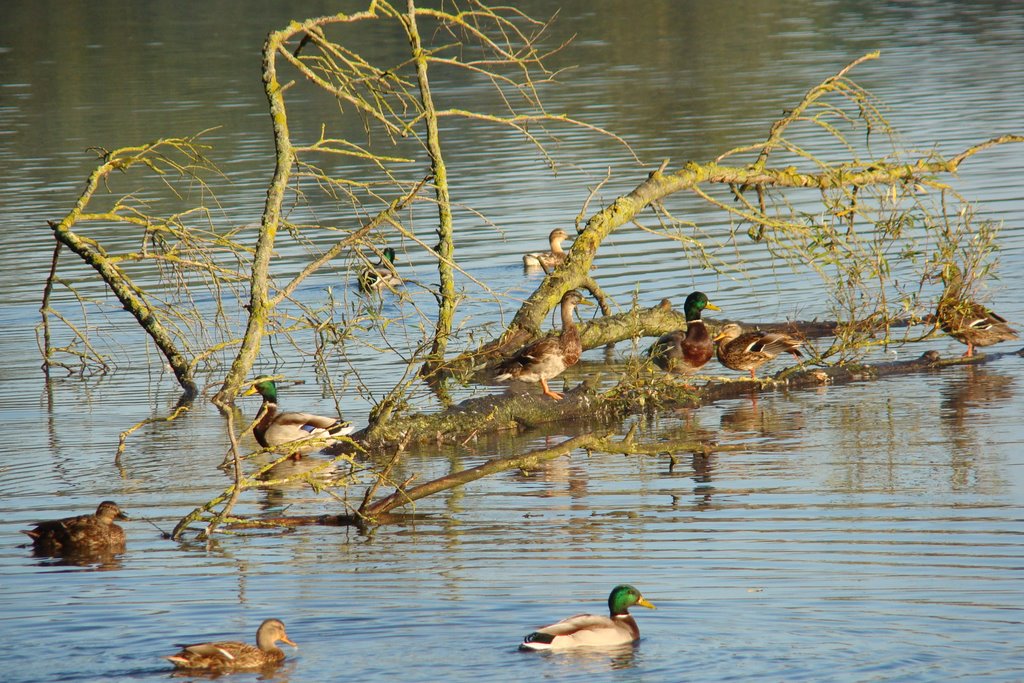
<point x="772" y="344"/>
<point x="583" y="630"/>
<point x="529" y="359"/>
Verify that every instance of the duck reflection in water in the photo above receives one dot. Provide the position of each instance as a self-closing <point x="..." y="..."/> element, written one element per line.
<point x="290" y="475"/>
<point x="964" y="409"/>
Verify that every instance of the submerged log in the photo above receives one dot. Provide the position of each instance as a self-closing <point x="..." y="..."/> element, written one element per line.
<point x="643" y="391"/>
<point x="632" y="395"/>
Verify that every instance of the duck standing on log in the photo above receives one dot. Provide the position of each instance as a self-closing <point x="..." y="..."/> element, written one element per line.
<point x="684" y="352"/>
<point x="547" y="358"/>
<point x="968" y="321"/>
<point x="747" y="351"/>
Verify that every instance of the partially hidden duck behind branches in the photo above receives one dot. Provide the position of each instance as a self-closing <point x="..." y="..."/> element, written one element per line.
<point x="684" y="352"/>
<point x="233" y="655"/>
<point x="593" y="630"/>
<point x="274" y="428"/>
<point x="548" y="259"/>
<point x="547" y="358"/>
<point x="968" y="321"/>
<point x="380" y="276"/>
<point x="747" y="351"/>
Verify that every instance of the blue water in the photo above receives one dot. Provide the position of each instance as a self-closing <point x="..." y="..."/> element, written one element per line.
<point x="862" y="532"/>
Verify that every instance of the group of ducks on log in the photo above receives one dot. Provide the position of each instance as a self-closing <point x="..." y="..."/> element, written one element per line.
<point x="686" y="351"/>
<point x="681" y="352"/>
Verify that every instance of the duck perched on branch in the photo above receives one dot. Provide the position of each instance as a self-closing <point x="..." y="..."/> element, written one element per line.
<point x="741" y="351"/>
<point x="547" y="358"/>
<point x="95" y="533"/>
<point x="593" y="630"/>
<point x="548" y="259"/>
<point x="380" y="276"/>
<point x="274" y="428"/>
<point x="233" y="655"/>
<point x="968" y="321"/>
<point x="684" y="352"/>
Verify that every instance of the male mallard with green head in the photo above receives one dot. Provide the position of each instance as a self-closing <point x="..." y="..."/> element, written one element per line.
<point x="547" y="358"/>
<point x="94" y="533"/>
<point x="593" y="630"/>
<point x="684" y="352"/>
<point x="233" y="655"/>
<point x="273" y="428"/>
<point x="748" y="351"/>
<point x="380" y="276"/>
<point x="968" y="321"/>
<point x="548" y="259"/>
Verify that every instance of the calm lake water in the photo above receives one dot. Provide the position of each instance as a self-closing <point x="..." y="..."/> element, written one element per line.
<point x="863" y="532"/>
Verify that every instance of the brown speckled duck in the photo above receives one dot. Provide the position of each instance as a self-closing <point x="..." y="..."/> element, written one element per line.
<point x="548" y="259"/>
<point x="593" y="630"/>
<point x="684" y="352"/>
<point x="94" y="533"/>
<point x="547" y="358"/>
<point x="968" y="321"/>
<point x="233" y="655"/>
<point x="748" y="351"/>
<point x="273" y="428"/>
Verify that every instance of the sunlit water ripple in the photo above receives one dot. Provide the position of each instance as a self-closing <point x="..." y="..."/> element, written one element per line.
<point x="863" y="532"/>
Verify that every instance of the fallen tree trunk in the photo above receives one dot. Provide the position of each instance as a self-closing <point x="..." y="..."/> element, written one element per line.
<point x="634" y="394"/>
<point x="582" y="399"/>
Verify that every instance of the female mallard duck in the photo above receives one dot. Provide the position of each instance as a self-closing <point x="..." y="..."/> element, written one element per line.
<point x="594" y="630"/>
<point x="231" y="655"/>
<point x="968" y="321"/>
<point x="380" y="276"/>
<point x="749" y="351"/>
<point x="83" y="534"/>
<point x="273" y="428"/>
<point x="548" y="259"/>
<point x="548" y="357"/>
<point x="684" y="352"/>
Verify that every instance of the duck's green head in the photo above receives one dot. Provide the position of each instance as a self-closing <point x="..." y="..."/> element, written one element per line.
<point x="625" y="596"/>
<point x="265" y="387"/>
<point x="695" y="303"/>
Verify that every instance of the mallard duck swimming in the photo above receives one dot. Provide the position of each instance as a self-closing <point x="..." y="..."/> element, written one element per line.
<point x="380" y="276"/>
<point x="548" y="259"/>
<point x="548" y="357"/>
<point x="593" y="630"/>
<point x="749" y="351"/>
<point x="684" y="352"/>
<point x="231" y="655"/>
<point x="968" y="321"/>
<point x="95" y="533"/>
<point x="274" y="428"/>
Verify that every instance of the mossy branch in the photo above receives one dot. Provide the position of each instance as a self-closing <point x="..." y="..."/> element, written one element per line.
<point x="660" y="184"/>
<point x="156" y="157"/>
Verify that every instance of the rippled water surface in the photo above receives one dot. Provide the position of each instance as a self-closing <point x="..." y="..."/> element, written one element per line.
<point x="862" y="532"/>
